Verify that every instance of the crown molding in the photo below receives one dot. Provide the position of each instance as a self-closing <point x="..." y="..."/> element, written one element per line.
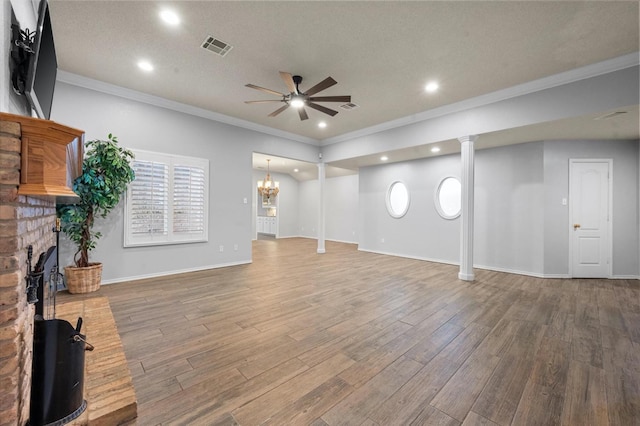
<point x="588" y="71"/>
<point x="111" y="89"/>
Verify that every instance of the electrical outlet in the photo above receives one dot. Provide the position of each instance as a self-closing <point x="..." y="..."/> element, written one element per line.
<point x="221" y="249"/>
<point x="235" y="247"/>
<point x="382" y="240"/>
<point x="244" y="200"/>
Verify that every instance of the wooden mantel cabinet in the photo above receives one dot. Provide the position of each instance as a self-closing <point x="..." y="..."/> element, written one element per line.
<point x="51" y="157"/>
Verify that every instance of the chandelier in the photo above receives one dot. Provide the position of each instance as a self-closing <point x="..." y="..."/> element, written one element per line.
<point x="268" y="188"/>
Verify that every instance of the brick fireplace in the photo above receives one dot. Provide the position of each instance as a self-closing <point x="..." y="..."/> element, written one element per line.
<point x="24" y="221"/>
<point x="39" y="159"/>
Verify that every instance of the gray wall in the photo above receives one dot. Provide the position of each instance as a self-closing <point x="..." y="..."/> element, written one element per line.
<point x="509" y="208"/>
<point x="421" y="233"/>
<point x="341" y="209"/>
<point x="308" y="194"/>
<point x="147" y="127"/>
<point x="520" y="223"/>
<point x="625" y="202"/>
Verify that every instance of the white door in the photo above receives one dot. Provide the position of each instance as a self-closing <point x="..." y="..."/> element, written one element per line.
<point x="590" y="212"/>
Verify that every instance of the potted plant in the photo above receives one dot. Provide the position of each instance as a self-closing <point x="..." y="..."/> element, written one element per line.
<point x="106" y="172"/>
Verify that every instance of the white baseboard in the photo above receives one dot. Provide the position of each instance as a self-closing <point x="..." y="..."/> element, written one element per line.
<point x="494" y="268"/>
<point x="174" y="272"/>
<point x="518" y="272"/>
<point x="426" y="259"/>
<point x="341" y="241"/>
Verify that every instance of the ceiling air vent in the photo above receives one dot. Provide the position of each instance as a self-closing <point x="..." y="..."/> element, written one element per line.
<point x="610" y="115"/>
<point x="216" y="46"/>
<point x="349" y="106"/>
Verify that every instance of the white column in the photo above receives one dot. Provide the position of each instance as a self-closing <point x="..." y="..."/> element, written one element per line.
<point x="321" y="179"/>
<point x="466" y="223"/>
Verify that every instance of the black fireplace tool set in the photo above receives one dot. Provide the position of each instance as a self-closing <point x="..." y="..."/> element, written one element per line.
<point x="58" y="348"/>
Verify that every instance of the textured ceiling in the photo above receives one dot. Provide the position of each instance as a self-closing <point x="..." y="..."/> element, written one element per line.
<point x="381" y="53"/>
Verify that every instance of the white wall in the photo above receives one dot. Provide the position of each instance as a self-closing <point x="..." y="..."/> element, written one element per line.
<point x="626" y="229"/>
<point x="229" y="150"/>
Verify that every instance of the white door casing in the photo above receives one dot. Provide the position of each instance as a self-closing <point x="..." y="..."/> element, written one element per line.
<point x="590" y="218"/>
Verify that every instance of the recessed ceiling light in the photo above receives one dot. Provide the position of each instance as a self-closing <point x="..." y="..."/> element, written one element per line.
<point x="169" y="17"/>
<point x="435" y="149"/>
<point x="384" y="158"/>
<point x="145" y="66"/>
<point x="431" y="87"/>
<point x="296" y="170"/>
<point x="322" y="124"/>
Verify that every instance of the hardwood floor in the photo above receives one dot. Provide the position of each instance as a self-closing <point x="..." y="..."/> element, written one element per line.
<point x="355" y="338"/>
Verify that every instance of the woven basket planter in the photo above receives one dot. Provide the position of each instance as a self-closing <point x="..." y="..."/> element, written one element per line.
<point x="83" y="280"/>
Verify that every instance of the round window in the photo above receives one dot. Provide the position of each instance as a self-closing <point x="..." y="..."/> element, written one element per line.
<point x="448" y="199"/>
<point x="397" y="199"/>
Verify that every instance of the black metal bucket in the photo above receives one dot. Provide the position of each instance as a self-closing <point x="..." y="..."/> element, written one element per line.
<point x="57" y="373"/>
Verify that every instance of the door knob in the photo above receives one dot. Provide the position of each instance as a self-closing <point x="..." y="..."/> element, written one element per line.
<point x="576" y="226"/>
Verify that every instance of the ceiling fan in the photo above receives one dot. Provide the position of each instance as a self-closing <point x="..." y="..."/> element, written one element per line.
<point x="299" y="99"/>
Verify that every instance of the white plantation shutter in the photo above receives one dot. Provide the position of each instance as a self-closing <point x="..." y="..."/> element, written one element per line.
<point x="149" y="211"/>
<point x="168" y="200"/>
<point x="188" y="200"/>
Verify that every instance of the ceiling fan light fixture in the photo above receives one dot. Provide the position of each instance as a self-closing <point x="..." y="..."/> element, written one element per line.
<point x="296" y="101"/>
<point x="299" y="99"/>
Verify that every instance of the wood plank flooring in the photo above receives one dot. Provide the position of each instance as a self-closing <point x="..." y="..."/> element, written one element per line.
<point x="355" y="338"/>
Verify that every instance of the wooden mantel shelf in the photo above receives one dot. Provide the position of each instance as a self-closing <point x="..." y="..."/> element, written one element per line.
<point x="51" y="156"/>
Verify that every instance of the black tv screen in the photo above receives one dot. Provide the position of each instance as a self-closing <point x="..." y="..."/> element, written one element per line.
<point x="43" y="67"/>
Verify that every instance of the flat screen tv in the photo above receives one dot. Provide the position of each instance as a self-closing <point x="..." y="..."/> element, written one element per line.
<point x="43" y="66"/>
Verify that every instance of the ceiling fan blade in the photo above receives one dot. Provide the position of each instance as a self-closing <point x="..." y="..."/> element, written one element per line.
<point x="324" y="84"/>
<point x="279" y="110"/>
<point x="262" y="89"/>
<point x="288" y="80"/>
<point x="303" y="114"/>
<point x="263" y="102"/>
<point x="331" y="99"/>
<point x="322" y="109"/>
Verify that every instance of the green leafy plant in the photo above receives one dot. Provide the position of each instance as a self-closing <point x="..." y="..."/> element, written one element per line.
<point x="106" y="172"/>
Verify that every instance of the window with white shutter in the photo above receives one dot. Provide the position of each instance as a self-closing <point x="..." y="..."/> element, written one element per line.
<point x="167" y="203"/>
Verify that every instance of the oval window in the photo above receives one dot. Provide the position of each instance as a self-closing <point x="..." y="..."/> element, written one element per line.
<point x="397" y="199"/>
<point x="448" y="198"/>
